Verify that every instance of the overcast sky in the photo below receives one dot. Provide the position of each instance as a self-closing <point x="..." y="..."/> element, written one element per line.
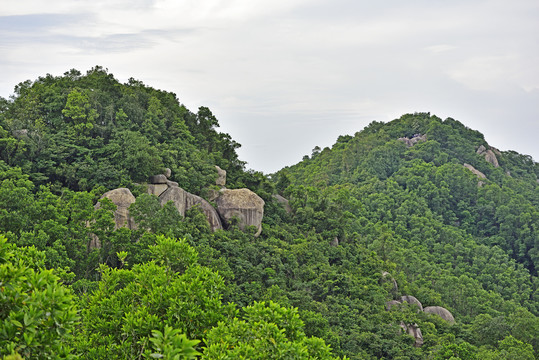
<point x="283" y="76"/>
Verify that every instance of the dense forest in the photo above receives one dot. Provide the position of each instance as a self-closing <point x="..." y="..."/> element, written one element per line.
<point x="413" y="239"/>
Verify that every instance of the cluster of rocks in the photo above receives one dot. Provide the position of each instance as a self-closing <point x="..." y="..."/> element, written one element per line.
<point x="489" y="155"/>
<point x="241" y="206"/>
<point x="413" y="329"/>
<point x="413" y="140"/>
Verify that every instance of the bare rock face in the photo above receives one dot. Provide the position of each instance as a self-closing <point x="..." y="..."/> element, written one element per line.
<point x="167" y="173"/>
<point x="244" y="204"/>
<point x="183" y="201"/>
<point x="334" y="242"/>
<point x="491" y="158"/>
<point x="221" y="177"/>
<point x="158" y="179"/>
<point x="284" y="202"/>
<point x="156" y="189"/>
<point x="413" y="330"/>
<point x="178" y="197"/>
<point x="391" y="304"/>
<point x="211" y="214"/>
<point x="478" y="173"/>
<point x="122" y="198"/>
<point x="413" y="140"/>
<point x="489" y="155"/>
<point x="441" y="312"/>
<point x="412" y="300"/>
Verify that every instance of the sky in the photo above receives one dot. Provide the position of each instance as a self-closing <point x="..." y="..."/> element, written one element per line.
<point x="284" y="76"/>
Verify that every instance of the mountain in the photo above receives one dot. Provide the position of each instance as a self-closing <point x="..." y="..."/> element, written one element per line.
<point x="413" y="239"/>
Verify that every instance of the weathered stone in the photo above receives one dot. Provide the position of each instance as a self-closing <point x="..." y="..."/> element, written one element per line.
<point x="122" y="198"/>
<point x="441" y="312"/>
<point x="177" y="195"/>
<point x="491" y="158"/>
<point x="414" y="331"/>
<point x="284" y="202"/>
<point x="172" y="183"/>
<point x="244" y="204"/>
<point x="156" y="189"/>
<point x="158" y="179"/>
<point x="413" y="140"/>
<point x="478" y="173"/>
<point x="167" y="173"/>
<point x="412" y="300"/>
<point x="221" y="177"/>
<point x="211" y="214"/>
<point x="391" y="304"/>
<point x="481" y="149"/>
<point x="334" y="242"/>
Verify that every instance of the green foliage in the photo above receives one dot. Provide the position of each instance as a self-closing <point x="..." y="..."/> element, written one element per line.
<point x="37" y="313"/>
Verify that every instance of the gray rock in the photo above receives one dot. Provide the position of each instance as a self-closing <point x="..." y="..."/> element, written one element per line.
<point x="478" y="173"/>
<point x="158" y="179"/>
<point x="284" y="202"/>
<point x="491" y="158"/>
<point x="334" y="242"/>
<point x="221" y="176"/>
<point x="167" y="173"/>
<point x="211" y="214"/>
<point x="122" y="198"/>
<point x="172" y="183"/>
<point x="156" y="189"/>
<point x="244" y="204"/>
<point x="441" y="312"/>
<point x="414" y="331"/>
<point x="412" y="300"/>
<point x="481" y="149"/>
<point x="177" y="195"/>
<point x="183" y="201"/>
<point x="392" y="303"/>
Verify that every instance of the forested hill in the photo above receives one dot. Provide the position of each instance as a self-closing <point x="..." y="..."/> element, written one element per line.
<point x="414" y="239"/>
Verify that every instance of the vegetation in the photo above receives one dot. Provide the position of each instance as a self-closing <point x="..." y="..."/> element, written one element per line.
<point x="313" y="285"/>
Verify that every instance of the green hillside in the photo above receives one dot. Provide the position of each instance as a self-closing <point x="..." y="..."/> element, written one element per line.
<point x="389" y="212"/>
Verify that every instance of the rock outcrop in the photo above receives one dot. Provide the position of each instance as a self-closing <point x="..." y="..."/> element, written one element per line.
<point x="414" y="331"/>
<point x="221" y="177"/>
<point x="122" y="198"/>
<point x="284" y="202"/>
<point x="242" y="204"/>
<point x="413" y="140"/>
<point x="412" y="300"/>
<point x="441" y="312"/>
<point x="210" y="212"/>
<point x="489" y="155"/>
<point x="184" y="200"/>
<point x="158" y="179"/>
<point x="476" y="172"/>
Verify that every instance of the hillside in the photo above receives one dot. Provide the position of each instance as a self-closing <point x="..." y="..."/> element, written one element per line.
<point x="416" y="214"/>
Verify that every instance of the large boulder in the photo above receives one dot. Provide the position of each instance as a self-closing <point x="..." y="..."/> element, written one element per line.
<point x="158" y="179"/>
<point x="476" y="172"/>
<point x="441" y="312"/>
<point x="414" y="331"/>
<point x="243" y="204"/>
<point x="211" y="214"/>
<point x="221" y="177"/>
<point x="156" y="189"/>
<point x="178" y="197"/>
<point x="412" y="300"/>
<point x="183" y="201"/>
<point x="284" y="202"/>
<point x="491" y="158"/>
<point x="122" y="198"/>
<point x="489" y="155"/>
